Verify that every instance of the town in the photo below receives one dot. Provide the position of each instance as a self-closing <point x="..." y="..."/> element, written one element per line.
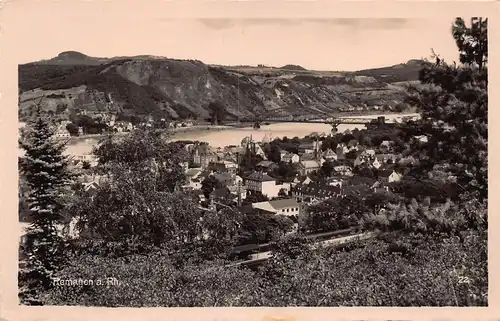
<point x="222" y="186"/>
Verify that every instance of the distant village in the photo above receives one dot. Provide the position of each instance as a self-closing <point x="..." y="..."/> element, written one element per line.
<point x="225" y="176"/>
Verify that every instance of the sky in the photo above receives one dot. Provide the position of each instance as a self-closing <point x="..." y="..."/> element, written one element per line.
<point x="122" y="28"/>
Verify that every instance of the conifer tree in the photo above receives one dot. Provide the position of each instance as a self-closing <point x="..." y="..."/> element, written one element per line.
<point x="46" y="171"/>
<point x="454" y="106"/>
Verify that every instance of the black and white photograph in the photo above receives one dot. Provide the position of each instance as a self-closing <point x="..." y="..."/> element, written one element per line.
<point x="253" y="162"/>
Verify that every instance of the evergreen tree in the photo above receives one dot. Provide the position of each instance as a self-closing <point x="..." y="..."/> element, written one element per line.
<point x="454" y="106"/>
<point x="45" y="169"/>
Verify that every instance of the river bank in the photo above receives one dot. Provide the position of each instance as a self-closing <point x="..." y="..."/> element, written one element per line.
<point x="233" y="133"/>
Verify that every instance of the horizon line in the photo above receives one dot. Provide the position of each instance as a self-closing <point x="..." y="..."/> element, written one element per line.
<point x="159" y="57"/>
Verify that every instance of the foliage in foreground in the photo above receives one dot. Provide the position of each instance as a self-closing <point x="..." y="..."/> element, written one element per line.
<point x="397" y="270"/>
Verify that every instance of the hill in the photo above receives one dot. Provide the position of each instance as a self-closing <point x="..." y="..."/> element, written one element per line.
<point x="293" y="67"/>
<point x="397" y="73"/>
<point x="146" y="85"/>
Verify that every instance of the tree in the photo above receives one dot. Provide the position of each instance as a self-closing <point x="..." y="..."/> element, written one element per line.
<point x="263" y="228"/>
<point x="285" y="171"/>
<point x="472" y="42"/>
<point x="336" y="213"/>
<point x="327" y="169"/>
<point x="400" y="107"/>
<point x="454" y="107"/>
<point x="85" y="165"/>
<point x="72" y="129"/>
<point x="145" y="150"/>
<point x="273" y="152"/>
<point x="45" y="169"/>
<point x="282" y="193"/>
<point x="217" y="112"/>
<point x="351" y="154"/>
<point x="209" y="184"/>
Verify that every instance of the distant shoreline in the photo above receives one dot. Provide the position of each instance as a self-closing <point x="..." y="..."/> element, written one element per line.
<point x="234" y="125"/>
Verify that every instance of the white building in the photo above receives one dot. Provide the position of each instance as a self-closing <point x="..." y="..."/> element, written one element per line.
<point x="62" y="132"/>
<point x="330" y="155"/>
<point x="290" y="158"/>
<point x="264" y="184"/>
<point x="288" y="207"/>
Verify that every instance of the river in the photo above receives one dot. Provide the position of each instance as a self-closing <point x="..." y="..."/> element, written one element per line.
<point x="220" y="136"/>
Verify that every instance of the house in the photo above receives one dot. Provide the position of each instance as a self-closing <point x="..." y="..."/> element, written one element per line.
<point x="309" y="147"/>
<point x="329" y="155"/>
<point x="307" y="157"/>
<point x="89" y="158"/>
<point x="288" y="207"/>
<point x="313" y="193"/>
<point x="376" y="163"/>
<point x="385" y="145"/>
<point x="290" y="158"/>
<point x="361" y="180"/>
<point x="266" y="166"/>
<point x="341" y="151"/>
<point x="370" y="152"/>
<point x="421" y="138"/>
<point x="377" y="187"/>
<point x="389" y="175"/>
<point x="352" y="144"/>
<point x="231" y="157"/>
<point x="203" y="155"/>
<point x="343" y="170"/>
<point x="259" y="182"/>
<point x="304" y="181"/>
<point x="62" y="132"/>
<point x="238" y="190"/>
<point x="309" y="166"/>
<point x="407" y="161"/>
<point x="334" y="181"/>
<point x="386" y="158"/>
<point x="366" y="156"/>
<point x="225" y="166"/>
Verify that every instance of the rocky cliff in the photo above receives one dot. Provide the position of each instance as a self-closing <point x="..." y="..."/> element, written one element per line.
<point x="145" y="85"/>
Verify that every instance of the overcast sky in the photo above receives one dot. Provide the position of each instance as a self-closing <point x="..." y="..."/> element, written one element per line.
<point x="116" y="28"/>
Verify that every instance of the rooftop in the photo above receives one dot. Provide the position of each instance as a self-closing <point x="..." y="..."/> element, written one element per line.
<point x="310" y="164"/>
<point x="260" y="177"/>
<point x="266" y="163"/>
<point x="317" y="189"/>
<point x="277" y="205"/>
<point x="284" y="203"/>
<point x="193" y="172"/>
<point x="329" y="152"/>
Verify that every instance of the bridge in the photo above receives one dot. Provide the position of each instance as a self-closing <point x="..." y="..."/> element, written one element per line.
<point x="315" y="120"/>
<point x="333" y="121"/>
<point x="308" y="115"/>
